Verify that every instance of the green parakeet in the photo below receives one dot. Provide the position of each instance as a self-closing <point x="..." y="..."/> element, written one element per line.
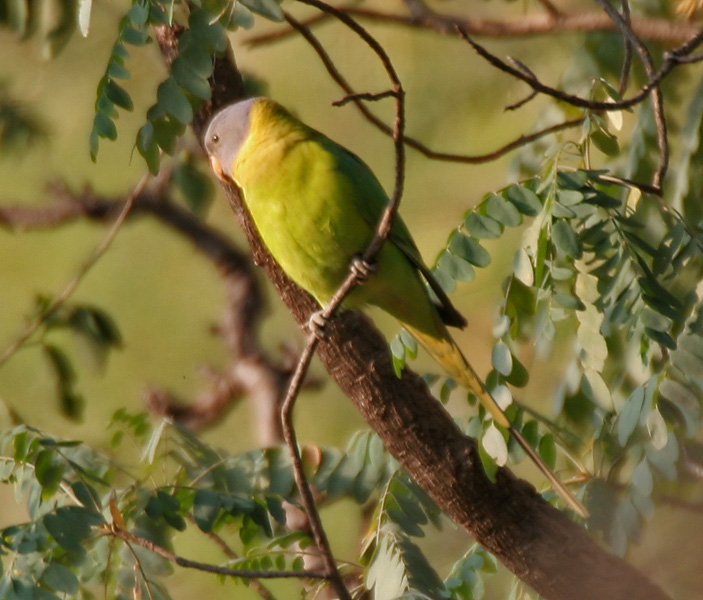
<point x="316" y="206"/>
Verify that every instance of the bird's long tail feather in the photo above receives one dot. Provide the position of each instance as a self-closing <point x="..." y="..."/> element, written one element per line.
<point x="449" y="356"/>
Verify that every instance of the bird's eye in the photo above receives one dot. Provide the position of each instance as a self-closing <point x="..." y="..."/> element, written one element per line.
<point x="215" y="138"/>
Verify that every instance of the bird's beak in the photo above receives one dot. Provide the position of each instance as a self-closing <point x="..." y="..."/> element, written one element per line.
<point x="217" y="168"/>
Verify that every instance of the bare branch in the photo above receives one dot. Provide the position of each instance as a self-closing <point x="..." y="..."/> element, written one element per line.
<point x="627" y="52"/>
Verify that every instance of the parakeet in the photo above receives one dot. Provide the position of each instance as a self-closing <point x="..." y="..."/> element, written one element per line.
<point x="316" y="206"/>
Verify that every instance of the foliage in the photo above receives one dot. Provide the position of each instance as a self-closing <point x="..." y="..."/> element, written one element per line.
<point x="607" y="277"/>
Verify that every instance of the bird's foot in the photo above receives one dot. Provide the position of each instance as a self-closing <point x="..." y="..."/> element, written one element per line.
<point x="318" y="324"/>
<point x="362" y="269"/>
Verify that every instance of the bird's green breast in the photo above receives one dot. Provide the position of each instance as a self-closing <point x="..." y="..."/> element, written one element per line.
<point x="301" y="206"/>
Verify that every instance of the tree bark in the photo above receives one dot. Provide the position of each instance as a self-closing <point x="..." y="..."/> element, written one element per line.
<point x="538" y="543"/>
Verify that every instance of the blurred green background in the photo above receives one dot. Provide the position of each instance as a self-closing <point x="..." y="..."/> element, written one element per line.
<point x="165" y="298"/>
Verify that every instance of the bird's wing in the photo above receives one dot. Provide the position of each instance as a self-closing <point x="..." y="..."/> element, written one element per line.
<point x="370" y="203"/>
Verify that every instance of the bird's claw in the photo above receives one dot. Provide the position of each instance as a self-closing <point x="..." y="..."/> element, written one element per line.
<point x="362" y="269"/>
<point x="317" y="324"/>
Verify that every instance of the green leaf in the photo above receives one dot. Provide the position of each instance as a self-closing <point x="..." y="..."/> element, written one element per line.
<point x="565" y="239"/>
<point x="397" y="347"/>
<point x="661" y="337"/>
<point x="494" y="444"/>
<point x="642" y="478"/>
<point x="569" y="197"/>
<point x="189" y="80"/>
<point x="597" y="390"/>
<point x="524" y="199"/>
<point x="206" y="508"/>
<point x="49" y="473"/>
<point x="118" y="95"/>
<point x="71" y="401"/>
<point x="501" y="210"/>
<point x="522" y="267"/>
<point x="71" y="526"/>
<point x="548" y="450"/>
<point x="97" y="325"/>
<point x="519" y="377"/>
<point x="501" y="358"/>
<point x="448" y="387"/>
<point x="568" y="301"/>
<point x="166" y="132"/>
<point x="87" y="495"/>
<point x="489" y="464"/>
<point x="266" y="8"/>
<point x="398" y="366"/>
<point x="446" y="281"/>
<point x="605" y="142"/>
<point x="573" y="180"/>
<point x="629" y="416"/>
<point x="104" y="127"/>
<point x="455" y="267"/>
<point x="482" y="227"/>
<point x="530" y="431"/>
<point x="134" y="37"/>
<point x="195" y="186"/>
<point x="116" y="70"/>
<point x="207" y="31"/>
<point x="469" y="249"/>
<point x="171" y="98"/>
<point x="60" y="578"/>
<point x="147" y="147"/>
<point x="139" y="13"/>
<point x="409" y="342"/>
<point x="192" y="53"/>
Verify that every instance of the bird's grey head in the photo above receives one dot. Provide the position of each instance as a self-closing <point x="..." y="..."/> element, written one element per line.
<point x="226" y="134"/>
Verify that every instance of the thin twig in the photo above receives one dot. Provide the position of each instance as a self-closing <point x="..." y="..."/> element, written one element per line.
<point x="670" y="60"/>
<point x="656" y="95"/>
<point x="521" y="103"/>
<point x="627" y="53"/>
<point x="82" y="272"/>
<point x="409" y="141"/>
<point x="130" y="538"/>
<point x="364" y="96"/>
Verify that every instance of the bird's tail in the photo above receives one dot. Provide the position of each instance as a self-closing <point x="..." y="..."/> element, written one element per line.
<point x="449" y="356"/>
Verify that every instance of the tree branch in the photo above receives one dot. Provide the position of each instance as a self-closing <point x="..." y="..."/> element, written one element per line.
<point x="646" y="28"/>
